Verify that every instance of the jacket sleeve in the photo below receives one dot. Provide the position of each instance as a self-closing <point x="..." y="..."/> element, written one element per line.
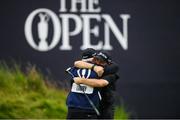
<point x="111" y="69"/>
<point x="111" y="78"/>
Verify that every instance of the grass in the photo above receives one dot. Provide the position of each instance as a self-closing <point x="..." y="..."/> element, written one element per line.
<point x="120" y="113"/>
<point x="26" y="95"/>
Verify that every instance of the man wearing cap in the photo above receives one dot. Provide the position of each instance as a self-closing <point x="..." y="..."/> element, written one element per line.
<point x="106" y="105"/>
<point x="78" y="104"/>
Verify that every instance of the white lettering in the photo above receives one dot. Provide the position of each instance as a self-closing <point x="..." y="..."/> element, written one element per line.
<point x="87" y="30"/>
<point x="63" y="6"/>
<point x="80" y="2"/>
<point x="88" y="24"/>
<point x="66" y="29"/>
<point x="110" y="24"/>
<point x="92" y="4"/>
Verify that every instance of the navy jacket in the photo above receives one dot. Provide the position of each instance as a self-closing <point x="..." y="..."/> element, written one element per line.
<point x="76" y="97"/>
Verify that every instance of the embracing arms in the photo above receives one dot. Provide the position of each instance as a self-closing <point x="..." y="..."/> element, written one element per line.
<point x="109" y="69"/>
<point x="82" y="64"/>
<point x="106" y="80"/>
<point x="91" y="82"/>
<point x="108" y="72"/>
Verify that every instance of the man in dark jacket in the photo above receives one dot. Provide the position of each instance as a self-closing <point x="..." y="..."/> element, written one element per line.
<point x="107" y="91"/>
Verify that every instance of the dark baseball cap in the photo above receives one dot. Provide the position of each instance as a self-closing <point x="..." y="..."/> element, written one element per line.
<point x="104" y="56"/>
<point x="88" y="53"/>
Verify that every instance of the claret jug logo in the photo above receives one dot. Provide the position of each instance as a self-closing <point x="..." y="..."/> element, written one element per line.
<point x="62" y="30"/>
<point x="44" y="16"/>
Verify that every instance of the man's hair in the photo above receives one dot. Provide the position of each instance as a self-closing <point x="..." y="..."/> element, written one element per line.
<point x="88" y="53"/>
<point x="104" y="56"/>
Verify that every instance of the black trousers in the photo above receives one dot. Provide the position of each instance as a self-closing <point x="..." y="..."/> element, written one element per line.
<point x="76" y="113"/>
<point x="107" y="112"/>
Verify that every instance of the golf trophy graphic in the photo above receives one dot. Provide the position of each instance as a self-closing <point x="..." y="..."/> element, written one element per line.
<point x="43" y="31"/>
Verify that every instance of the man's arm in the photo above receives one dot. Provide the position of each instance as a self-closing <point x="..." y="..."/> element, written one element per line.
<point x="91" y="82"/>
<point x="106" y="80"/>
<point x="111" y="69"/>
<point x="81" y="64"/>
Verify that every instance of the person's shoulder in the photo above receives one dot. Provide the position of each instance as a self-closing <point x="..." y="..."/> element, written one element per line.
<point x="114" y="63"/>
